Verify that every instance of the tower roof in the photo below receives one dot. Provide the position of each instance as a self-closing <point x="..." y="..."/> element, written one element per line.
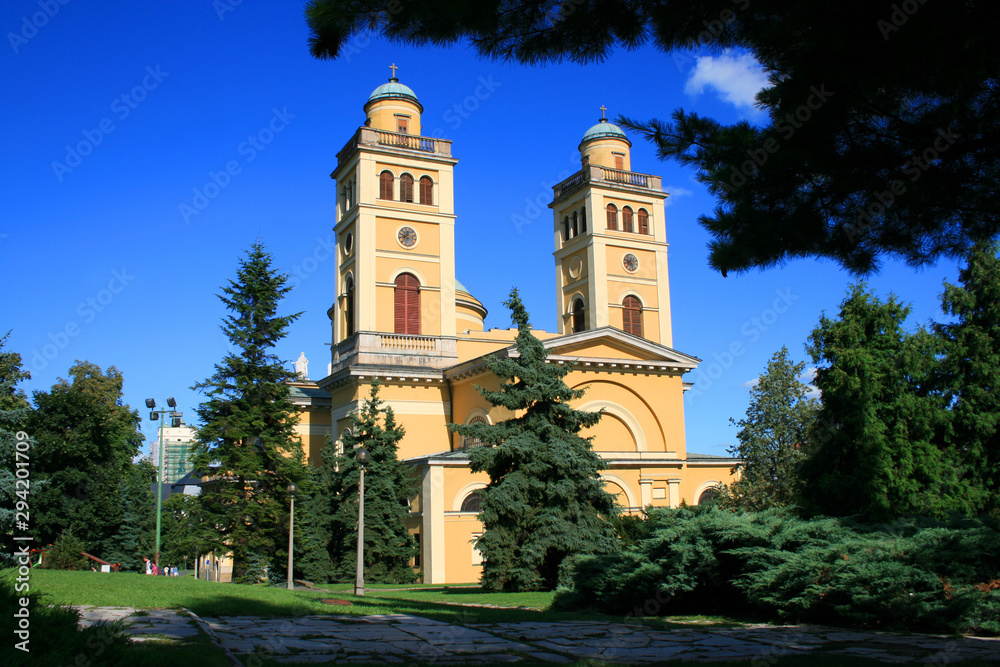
<point x="604" y="129"/>
<point x="394" y="90"/>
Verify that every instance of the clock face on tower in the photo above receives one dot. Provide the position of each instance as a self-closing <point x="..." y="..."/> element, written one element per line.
<point x="631" y="263"/>
<point x="407" y="237"/>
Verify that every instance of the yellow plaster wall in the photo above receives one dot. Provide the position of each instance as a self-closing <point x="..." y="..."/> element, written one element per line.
<point x="383" y="114"/>
<point x="601" y="151"/>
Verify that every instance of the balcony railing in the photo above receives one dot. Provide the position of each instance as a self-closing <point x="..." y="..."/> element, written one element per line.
<point x="599" y="174"/>
<point x="368" y="136"/>
<point x="391" y="350"/>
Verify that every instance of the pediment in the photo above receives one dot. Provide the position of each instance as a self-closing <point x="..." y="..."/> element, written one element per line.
<point x="610" y="344"/>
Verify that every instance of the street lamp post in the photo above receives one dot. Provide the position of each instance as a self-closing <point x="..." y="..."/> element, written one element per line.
<point x="175" y="420"/>
<point x="363" y="456"/>
<point x="292" y="489"/>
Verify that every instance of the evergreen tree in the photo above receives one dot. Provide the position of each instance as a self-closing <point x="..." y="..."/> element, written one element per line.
<point x="546" y="499"/>
<point x="187" y="530"/>
<point x="248" y="420"/>
<point x="865" y="131"/>
<point x="134" y="537"/>
<point x="971" y="372"/>
<point x="313" y="523"/>
<point x="878" y="447"/>
<point x="389" y="485"/>
<point x="771" y="438"/>
<point x="14" y="411"/>
<point x="86" y="439"/>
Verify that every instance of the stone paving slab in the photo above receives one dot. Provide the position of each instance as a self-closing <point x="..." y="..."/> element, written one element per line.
<point x="400" y="638"/>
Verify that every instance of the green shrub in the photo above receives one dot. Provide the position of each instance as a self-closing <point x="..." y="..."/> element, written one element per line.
<point x="916" y="574"/>
<point x="54" y="637"/>
<point x="66" y="553"/>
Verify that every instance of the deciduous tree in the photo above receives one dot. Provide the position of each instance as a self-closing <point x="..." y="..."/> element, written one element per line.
<point x="772" y="437"/>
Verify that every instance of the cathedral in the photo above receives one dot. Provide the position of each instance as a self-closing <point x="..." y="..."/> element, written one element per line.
<point x="400" y="315"/>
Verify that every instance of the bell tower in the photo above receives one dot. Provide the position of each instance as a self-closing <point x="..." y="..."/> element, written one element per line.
<point x="395" y="224"/>
<point x="611" y="242"/>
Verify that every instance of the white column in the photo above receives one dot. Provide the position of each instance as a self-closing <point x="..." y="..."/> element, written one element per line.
<point x="674" y="492"/>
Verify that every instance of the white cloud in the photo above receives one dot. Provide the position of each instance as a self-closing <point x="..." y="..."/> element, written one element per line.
<point x="675" y="191"/>
<point x="750" y="384"/>
<point x="736" y="78"/>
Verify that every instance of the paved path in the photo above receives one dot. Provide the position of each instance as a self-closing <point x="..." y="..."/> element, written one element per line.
<point x="401" y="638"/>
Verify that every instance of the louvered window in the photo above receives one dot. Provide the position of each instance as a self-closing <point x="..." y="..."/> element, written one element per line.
<point x="612" y="217"/>
<point x="385" y="185"/>
<point x="406" y="188"/>
<point x="426" y="190"/>
<point x="627" y="220"/>
<point x="643" y="221"/>
<point x="407" y="305"/>
<point x="632" y="316"/>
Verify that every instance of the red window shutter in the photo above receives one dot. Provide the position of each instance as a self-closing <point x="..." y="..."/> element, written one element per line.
<point x="632" y="316"/>
<point x="406" y="188"/>
<point x="407" y="305"/>
<point x="626" y="219"/>
<point x="385" y="185"/>
<point x="643" y="221"/>
<point x="612" y="217"/>
<point x="426" y="191"/>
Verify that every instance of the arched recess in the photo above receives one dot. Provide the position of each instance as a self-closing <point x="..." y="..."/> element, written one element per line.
<point x="705" y="486"/>
<point x="464" y="493"/>
<point x="630" y="422"/>
<point x="408" y="269"/>
<point x="605" y="387"/>
<point x="615" y="479"/>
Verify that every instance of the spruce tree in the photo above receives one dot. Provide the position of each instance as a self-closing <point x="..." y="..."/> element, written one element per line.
<point x="248" y="420"/>
<point x="877" y="449"/>
<point x="771" y="438"/>
<point x="546" y="499"/>
<point x="389" y="484"/>
<point x="971" y="372"/>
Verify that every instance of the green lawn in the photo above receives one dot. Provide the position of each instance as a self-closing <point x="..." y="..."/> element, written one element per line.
<point x="213" y="599"/>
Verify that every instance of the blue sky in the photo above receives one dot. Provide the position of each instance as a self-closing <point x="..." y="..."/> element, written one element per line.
<point x="120" y="116"/>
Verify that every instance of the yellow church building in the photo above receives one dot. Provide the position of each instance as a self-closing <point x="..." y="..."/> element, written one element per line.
<point x="401" y="316"/>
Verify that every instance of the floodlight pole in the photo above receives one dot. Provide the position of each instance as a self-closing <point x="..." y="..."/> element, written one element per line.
<point x="161" y="413"/>
<point x="362" y="455"/>
<point x="292" y="488"/>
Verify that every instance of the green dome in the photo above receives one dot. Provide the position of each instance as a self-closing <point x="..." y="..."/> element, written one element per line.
<point x="394" y="90"/>
<point x="604" y="129"/>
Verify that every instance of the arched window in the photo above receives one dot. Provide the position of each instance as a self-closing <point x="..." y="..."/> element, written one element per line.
<point x="643" y="221"/>
<point x="349" y="305"/>
<point x="627" y="219"/>
<point x="471" y="443"/>
<point x="406" y="188"/>
<point x="576" y="223"/>
<point x="632" y="316"/>
<point x="612" y="217"/>
<point x="472" y="503"/>
<point x="578" y="316"/>
<point x="426" y="190"/>
<point x="385" y="185"/>
<point x="706" y="496"/>
<point x="583" y="220"/>
<point x="407" y="305"/>
<point x="565" y="228"/>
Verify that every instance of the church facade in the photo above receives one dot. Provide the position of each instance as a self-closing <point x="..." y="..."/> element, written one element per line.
<point x="401" y="316"/>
